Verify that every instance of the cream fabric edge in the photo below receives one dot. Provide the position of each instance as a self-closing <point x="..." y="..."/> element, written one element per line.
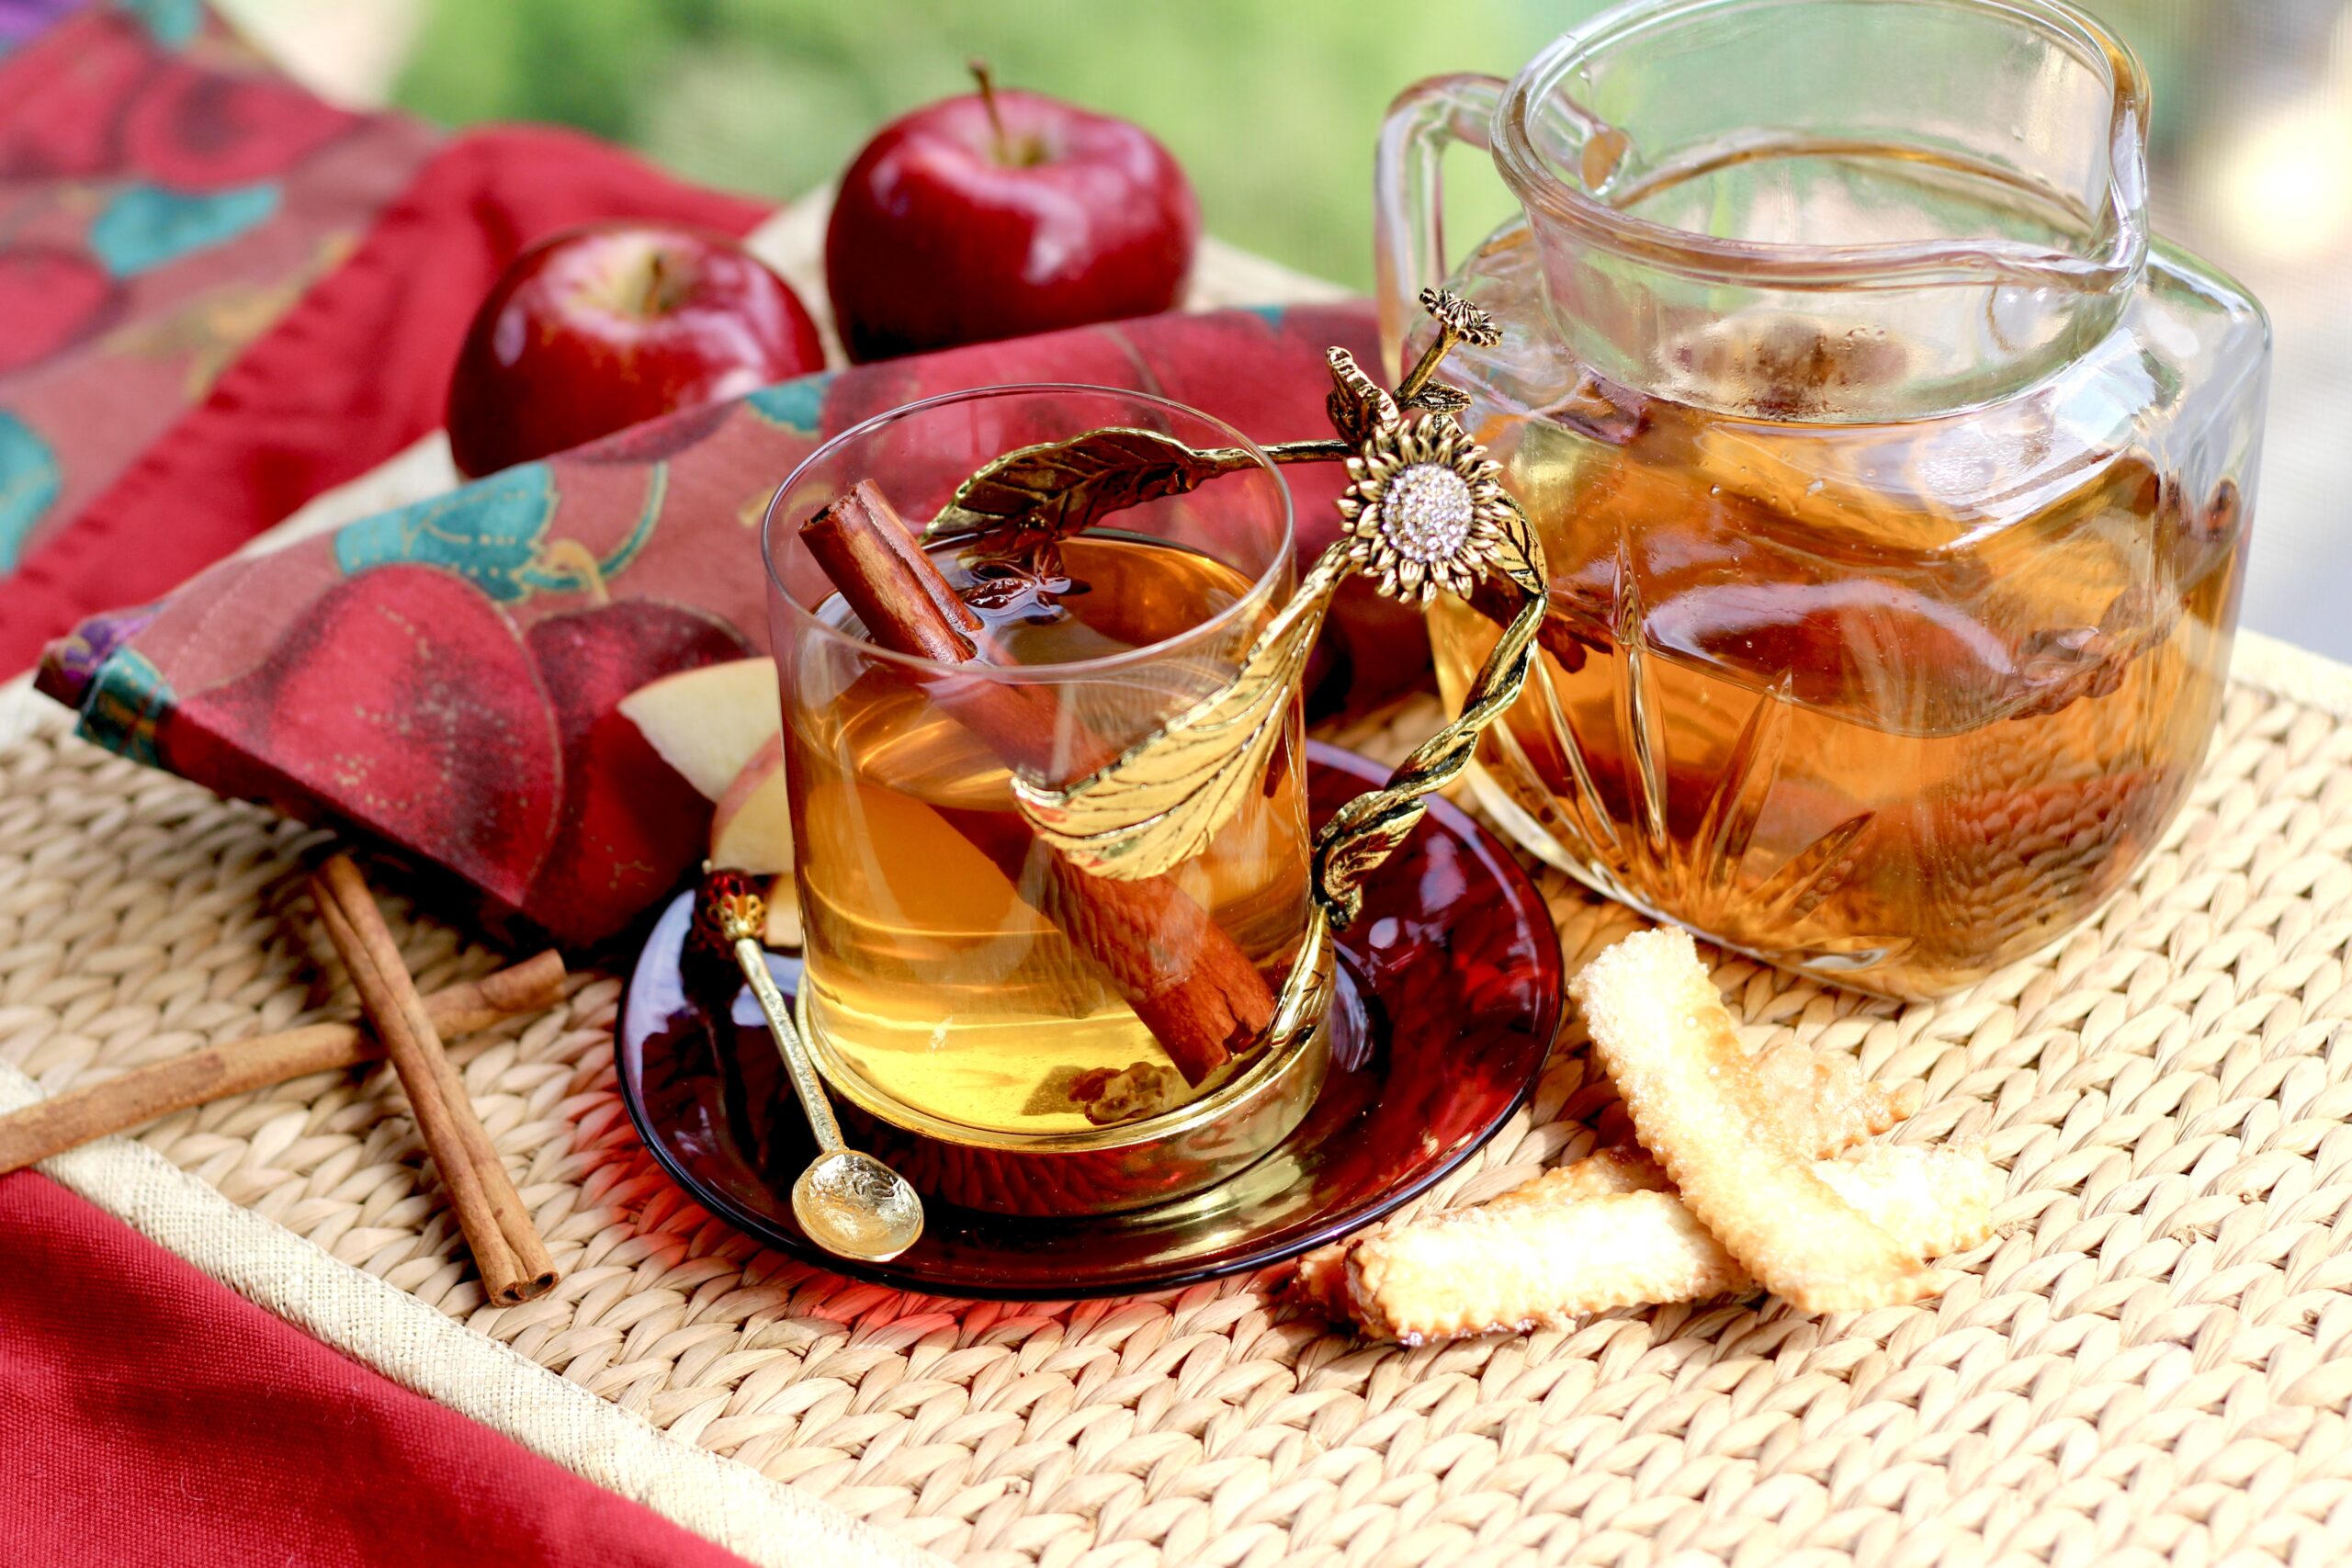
<point x="729" y="1504"/>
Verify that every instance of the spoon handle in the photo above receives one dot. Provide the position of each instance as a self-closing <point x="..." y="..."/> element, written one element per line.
<point x="806" y="1085"/>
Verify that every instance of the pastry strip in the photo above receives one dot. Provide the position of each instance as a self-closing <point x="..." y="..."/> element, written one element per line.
<point x="1701" y="1107"/>
<point x="1546" y="1260"/>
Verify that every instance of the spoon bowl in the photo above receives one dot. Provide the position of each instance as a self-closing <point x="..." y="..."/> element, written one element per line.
<point x="855" y="1206"/>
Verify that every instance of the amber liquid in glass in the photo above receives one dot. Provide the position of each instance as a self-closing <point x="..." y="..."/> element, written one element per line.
<point x="1874" y="699"/>
<point x="933" y="971"/>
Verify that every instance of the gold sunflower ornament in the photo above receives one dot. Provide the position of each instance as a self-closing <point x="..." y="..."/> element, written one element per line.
<point x="1427" y="510"/>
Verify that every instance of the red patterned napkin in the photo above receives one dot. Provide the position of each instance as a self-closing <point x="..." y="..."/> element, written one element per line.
<point x="444" y="676"/>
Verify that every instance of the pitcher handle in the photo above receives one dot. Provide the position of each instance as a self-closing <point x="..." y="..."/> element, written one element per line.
<point x="1408" y="227"/>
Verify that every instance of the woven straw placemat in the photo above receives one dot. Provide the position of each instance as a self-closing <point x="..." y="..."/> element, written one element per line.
<point x="2150" y="1364"/>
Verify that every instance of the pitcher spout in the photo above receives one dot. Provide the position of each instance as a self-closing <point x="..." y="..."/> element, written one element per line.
<point x="1956" y="187"/>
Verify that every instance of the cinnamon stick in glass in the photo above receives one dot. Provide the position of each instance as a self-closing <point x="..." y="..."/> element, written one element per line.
<point x="511" y="1258"/>
<point x="140" y="1095"/>
<point x="1188" y="982"/>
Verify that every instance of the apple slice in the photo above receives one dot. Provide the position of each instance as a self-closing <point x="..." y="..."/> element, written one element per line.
<point x="709" y="723"/>
<point x="751" y="830"/>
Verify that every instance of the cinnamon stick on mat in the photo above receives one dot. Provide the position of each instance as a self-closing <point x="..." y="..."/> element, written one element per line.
<point x="1190" y="982"/>
<point x="514" y="1262"/>
<point x="134" y="1098"/>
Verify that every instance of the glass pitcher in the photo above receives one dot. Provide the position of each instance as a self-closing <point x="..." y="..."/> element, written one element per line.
<point x="1894" y="482"/>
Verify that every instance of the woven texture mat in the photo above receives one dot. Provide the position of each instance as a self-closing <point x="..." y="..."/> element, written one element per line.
<point x="2150" y="1364"/>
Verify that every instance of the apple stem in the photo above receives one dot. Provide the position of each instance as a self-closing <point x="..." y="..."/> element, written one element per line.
<point x="653" y="302"/>
<point x="980" y="72"/>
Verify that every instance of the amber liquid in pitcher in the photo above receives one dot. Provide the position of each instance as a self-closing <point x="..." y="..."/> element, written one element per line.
<point x="934" y="973"/>
<point x="1884" y="699"/>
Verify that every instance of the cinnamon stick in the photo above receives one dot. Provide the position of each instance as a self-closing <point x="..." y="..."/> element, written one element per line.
<point x="134" y="1098"/>
<point x="514" y="1262"/>
<point x="1191" y="984"/>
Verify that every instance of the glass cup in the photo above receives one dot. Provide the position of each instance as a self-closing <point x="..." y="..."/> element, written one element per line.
<point x="962" y="979"/>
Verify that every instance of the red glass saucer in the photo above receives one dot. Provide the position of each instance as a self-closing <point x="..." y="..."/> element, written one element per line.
<point x="1450" y="989"/>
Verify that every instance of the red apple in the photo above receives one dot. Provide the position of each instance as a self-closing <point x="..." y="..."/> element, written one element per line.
<point x="750" y="827"/>
<point x="607" y="326"/>
<point x="1000" y="214"/>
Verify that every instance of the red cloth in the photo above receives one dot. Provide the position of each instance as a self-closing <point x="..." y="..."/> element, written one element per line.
<point x="445" y="676"/>
<point x="150" y="1415"/>
<point x="350" y="375"/>
<point x="169" y="197"/>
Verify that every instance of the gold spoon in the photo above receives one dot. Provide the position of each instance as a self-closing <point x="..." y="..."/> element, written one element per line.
<point x="850" y="1203"/>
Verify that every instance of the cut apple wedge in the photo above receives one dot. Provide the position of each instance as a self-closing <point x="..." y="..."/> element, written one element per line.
<point x="751" y="830"/>
<point x="710" y="723"/>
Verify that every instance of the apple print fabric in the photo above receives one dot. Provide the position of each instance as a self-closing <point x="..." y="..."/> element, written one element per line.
<point x="168" y="196"/>
<point x="219" y="296"/>
<point x="445" y="676"/>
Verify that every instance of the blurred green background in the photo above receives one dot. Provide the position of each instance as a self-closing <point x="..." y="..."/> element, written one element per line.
<point x="1271" y="104"/>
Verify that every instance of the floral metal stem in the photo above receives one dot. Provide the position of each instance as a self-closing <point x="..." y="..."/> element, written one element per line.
<point x="1327" y="450"/>
<point x="1366" y="831"/>
<point x="1425" y="513"/>
<point x="1426" y="366"/>
<point x="1458" y="322"/>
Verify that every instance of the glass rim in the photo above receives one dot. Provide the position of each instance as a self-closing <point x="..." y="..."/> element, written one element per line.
<point x="1260" y="584"/>
<point x="2100" y="266"/>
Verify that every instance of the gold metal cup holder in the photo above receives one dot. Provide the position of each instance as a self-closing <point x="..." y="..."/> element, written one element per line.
<point x="1424" y="513"/>
<point x="1095" y="1170"/>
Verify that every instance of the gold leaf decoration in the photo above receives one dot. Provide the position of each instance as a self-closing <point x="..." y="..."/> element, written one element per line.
<point x="1039" y="495"/>
<point x="1307" y="990"/>
<point x="1359" y="407"/>
<point x="1159" y="802"/>
<point x="1437" y="396"/>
